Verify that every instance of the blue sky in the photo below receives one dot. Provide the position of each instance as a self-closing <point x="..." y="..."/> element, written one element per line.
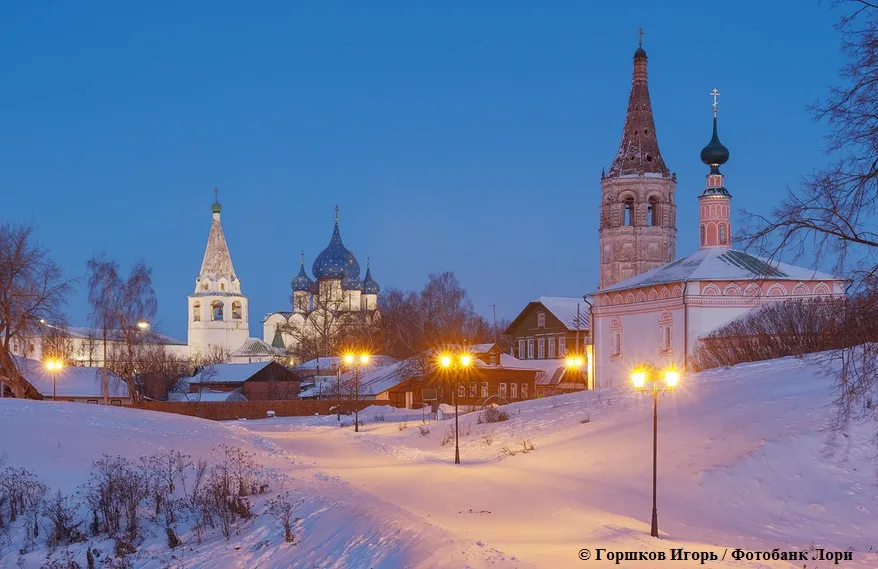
<point x="462" y="136"/>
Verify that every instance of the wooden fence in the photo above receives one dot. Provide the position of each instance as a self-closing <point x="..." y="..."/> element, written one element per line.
<point x="229" y="411"/>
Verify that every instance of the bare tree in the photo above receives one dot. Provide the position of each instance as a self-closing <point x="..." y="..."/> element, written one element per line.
<point x="118" y="305"/>
<point x="32" y="289"/>
<point x="831" y="213"/>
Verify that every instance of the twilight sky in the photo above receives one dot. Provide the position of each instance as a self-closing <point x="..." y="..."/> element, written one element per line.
<point x="462" y="136"/>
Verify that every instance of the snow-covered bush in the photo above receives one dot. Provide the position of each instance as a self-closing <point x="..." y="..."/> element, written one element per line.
<point x="493" y="415"/>
<point x="424" y="430"/>
<point x="61" y="513"/>
<point x="281" y="508"/>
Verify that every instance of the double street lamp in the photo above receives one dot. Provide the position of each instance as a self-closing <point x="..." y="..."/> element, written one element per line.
<point x="574" y="366"/>
<point x="356" y="361"/>
<point x="54" y="366"/>
<point x="639" y="378"/>
<point x="460" y="363"/>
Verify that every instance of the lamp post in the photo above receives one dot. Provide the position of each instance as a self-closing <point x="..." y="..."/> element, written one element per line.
<point x="54" y="366"/>
<point x="463" y="362"/>
<point x="639" y="379"/>
<point x="356" y="361"/>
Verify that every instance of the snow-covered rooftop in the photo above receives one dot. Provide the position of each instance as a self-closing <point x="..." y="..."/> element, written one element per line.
<point x="565" y="310"/>
<point x="208" y="396"/>
<point x="553" y="369"/>
<point x="254" y="347"/>
<point x="720" y="265"/>
<point x="327" y="363"/>
<point x="71" y="381"/>
<point x="83" y="332"/>
<point x="227" y="373"/>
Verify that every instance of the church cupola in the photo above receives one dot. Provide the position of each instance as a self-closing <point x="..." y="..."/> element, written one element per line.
<point x="639" y="153"/>
<point x="369" y="298"/>
<point x="715" y="202"/>
<point x="301" y="282"/>
<point x="336" y="261"/>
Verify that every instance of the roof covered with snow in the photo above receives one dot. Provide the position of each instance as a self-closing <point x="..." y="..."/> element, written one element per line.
<point x="719" y="264"/>
<point x="328" y="363"/>
<point x="553" y="369"/>
<point x="571" y="312"/>
<point x="217" y="262"/>
<point x="208" y="396"/>
<point x="255" y="347"/>
<point x="83" y="332"/>
<point x="227" y="373"/>
<point x="71" y="381"/>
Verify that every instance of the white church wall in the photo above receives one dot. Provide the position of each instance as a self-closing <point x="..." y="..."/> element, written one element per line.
<point x="640" y="325"/>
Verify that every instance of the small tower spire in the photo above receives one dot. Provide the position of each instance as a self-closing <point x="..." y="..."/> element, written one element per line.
<point x="336" y="213"/>
<point x="640" y="38"/>
<point x="303" y="257"/>
<point x="715" y="202"/>
<point x="216" y="208"/>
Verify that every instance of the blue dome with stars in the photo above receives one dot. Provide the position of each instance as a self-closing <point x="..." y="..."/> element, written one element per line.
<point x="352" y="282"/>
<point x="301" y="282"/>
<point x="335" y="262"/>
<point x="369" y="284"/>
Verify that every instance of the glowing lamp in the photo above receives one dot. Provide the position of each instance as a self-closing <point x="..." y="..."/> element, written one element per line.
<point x="671" y="377"/>
<point x="639" y="379"/>
<point x="578" y="362"/>
<point x="570" y="362"/>
<point x="445" y="361"/>
<point x="465" y="360"/>
<point x="349" y="358"/>
<point x="364" y="359"/>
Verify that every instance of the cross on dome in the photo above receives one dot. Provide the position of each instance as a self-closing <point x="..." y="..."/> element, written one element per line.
<point x="640" y="41"/>
<point x="714" y="94"/>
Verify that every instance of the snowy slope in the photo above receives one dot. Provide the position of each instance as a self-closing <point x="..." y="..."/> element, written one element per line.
<point x="746" y="461"/>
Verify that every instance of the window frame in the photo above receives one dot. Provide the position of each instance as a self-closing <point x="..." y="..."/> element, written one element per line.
<point x="513" y="391"/>
<point x="503" y="392"/>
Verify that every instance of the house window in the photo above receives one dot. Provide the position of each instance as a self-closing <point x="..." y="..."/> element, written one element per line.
<point x="530" y="348"/>
<point x="551" y="347"/>
<point x="524" y="391"/>
<point x="541" y="348"/>
<point x="222" y="286"/>
<point x="492" y="359"/>
<point x="616" y="344"/>
<point x="236" y="310"/>
<point x="541" y="319"/>
<point x="503" y="390"/>
<point x="652" y="212"/>
<point x="629" y="211"/>
<point x="521" y="349"/>
<point x="473" y="389"/>
<point x="196" y="312"/>
<point x="115" y="402"/>
<point x="484" y="389"/>
<point x="702" y="235"/>
<point x="93" y="401"/>
<point x="217" y="309"/>
<point x="204" y="286"/>
<point x="513" y="391"/>
<point x="665" y="338"/>
<point x="461" y="390"/>
<point x="722" y="234"/>
<point x="562" y="346"/>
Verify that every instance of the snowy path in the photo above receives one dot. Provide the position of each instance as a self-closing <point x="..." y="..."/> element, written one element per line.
<point x="739" y="467"/>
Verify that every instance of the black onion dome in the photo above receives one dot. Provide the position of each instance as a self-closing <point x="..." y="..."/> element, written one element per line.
<point x="301" y="282"/>
<point x="714" y="154"/>
<point x="335" y="262"/>
<point x="640" y="52"/>
<point x="369" y="284"/>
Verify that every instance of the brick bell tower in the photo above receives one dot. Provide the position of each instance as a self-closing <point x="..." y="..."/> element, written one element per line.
<point x="638" y="229"/>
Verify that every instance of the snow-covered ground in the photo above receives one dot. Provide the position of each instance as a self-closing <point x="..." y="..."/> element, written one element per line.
<point x="746" y="460"/>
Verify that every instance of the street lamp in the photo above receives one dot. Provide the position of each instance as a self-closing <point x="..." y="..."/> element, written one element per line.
<point x="356" y="361"/>
<point x="639" y="379"/>
<point x="142" y="325"/>
<point x="574" y="362"/>
<point x="463" y="363"/>
<point x="54" y="366"/>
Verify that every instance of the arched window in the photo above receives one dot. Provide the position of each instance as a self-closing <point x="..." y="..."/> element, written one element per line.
<point x="236" y="310"/>
<point x="629" y="211"/>
<point x="702" y="235"/>
<point x="652" y="218"/>
<point x="196" y="312"/>
<point x="217" y="309"/>
<point x="222" y="286"/>
<point x="722" y="234"/>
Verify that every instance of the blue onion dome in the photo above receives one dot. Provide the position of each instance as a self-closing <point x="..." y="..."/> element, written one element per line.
<point x="301" y="282"/>
<point x="352" y="282"/>
<point x="369" y="284"/>
<point x="714" y="154"/>
<point x="335" y="262"/>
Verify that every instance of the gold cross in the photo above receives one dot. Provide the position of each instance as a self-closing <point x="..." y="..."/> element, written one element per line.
<point x="640" y="44"/>
<point x="336" y="212"/>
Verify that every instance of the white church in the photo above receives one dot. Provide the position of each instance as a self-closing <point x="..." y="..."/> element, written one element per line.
<point x="219" y="315"/>
<point x="653" y="310"/>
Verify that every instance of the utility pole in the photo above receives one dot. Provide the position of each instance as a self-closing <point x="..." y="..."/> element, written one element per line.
<point x="494" y="306"/>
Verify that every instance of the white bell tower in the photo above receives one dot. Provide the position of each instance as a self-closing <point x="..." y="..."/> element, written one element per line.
<point x="218" y="312"/>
